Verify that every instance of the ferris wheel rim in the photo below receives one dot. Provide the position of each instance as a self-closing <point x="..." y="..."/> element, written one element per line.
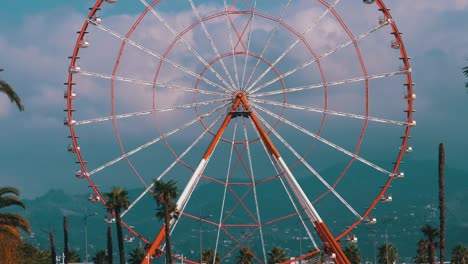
<point x="399" y="157"/>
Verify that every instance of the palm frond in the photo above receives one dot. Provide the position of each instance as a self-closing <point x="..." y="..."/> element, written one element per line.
<point x="10" y="200"/>
<point x="5" y="190"/>
<point x="12" y="95"/>
<point x="15" y="220"/>
<point x="10" y="232"/>
<point x="465" y="71"/>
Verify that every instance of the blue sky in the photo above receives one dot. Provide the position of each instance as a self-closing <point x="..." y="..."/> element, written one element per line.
<point x="36" y="39"/>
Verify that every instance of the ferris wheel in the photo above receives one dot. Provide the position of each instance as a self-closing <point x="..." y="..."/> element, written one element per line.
<point x="280" y="121"/>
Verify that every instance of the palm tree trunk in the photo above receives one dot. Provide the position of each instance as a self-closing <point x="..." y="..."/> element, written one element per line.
<point x="442" y="201"/>
<point x="109" y="244"/>
<point x="167" y="221"/>
<point x="118" y="222"/>
<point x="52" y="248"/>
<point x="431" y="252"/>
<point x="65" y="239"/>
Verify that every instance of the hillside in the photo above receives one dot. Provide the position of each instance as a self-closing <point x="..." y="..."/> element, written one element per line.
<point x="415" y="204"/>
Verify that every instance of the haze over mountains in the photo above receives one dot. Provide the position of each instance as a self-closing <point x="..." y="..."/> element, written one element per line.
<point x="415" y="203"/>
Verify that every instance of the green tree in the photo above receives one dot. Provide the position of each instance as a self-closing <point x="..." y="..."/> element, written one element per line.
<point x="421" y="251"/>
<point x="208" y="256"/>
<point x="10" y="92"/>
<point x="352" y="253"/>
<point x="459" y="254"/>
<point x="245" y="256"/>
<point x="431" y="233"/>
<point x="117" y="199"/>
<point x="73" y="256"/>
<point x="11" y="223"/>
<point x="100" y="257"/>
<point x="137" y="255"/>
<point x="30" y="254"/>
<point x="387" y="254"/>
<point x="165" y="194"/>
<point x="277" y="255"/>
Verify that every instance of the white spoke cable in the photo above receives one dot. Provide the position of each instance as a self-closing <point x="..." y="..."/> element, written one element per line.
<point x="228" y="21"/>
<point x="160" y="57"/>
<point x="249" y="37"/>
<point x="334" y="83"/>
<point x="265" y="48"/>
<point x="331" y="112"/>
<point x="210" y="39"/>
<point x="312" y="170"/>
<point x="305" y="64"/>
<point x="159" y="110"/>
<point x="148" y="83"/>
<point x="225" y="188"/>
<point x="128" y="154"/>
<point x="181" y="156"/>
<point x="254" y="186"/>
<point x="187" y="45"/>
<point x="301" y="37"/>
<point x="296" y="209"/>
<point x="307" y="132"/>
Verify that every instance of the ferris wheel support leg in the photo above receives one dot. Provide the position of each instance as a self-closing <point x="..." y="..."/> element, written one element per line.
<point x="183" y="199"/>
<point x="322" y="230"/>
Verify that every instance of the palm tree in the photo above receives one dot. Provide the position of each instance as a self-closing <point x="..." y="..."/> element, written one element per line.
<point x="100" y="257"/>
<point x="11" y="223"/>
<point x="117" y="199"/>
<point x="53" y="255"/>
<point x="387" y="254"/>
<point x="459" y="254"/>
<point x="421" y="251"/>
<point x="137" y="255"/>
<point x="431" y="233"/>
<point x="208" y="256"/>
<point x="109" y="244"/>
<point x="245" y="256"/>
<point x="442" y="201"/>
<point x="164" y="194"/>
<point x="353" y="254"/>
<point x="277" y="255"/>
<point x="10" y="92"/>
<point x="465" y="71"/>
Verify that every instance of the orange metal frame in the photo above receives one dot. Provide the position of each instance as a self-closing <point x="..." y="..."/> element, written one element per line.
<point x="331" y="245"/>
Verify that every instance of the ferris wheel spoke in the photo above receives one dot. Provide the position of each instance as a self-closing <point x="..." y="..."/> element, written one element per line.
<point x="331" y="112"/>
<point x="265" y="48"/>
<point x="180" y="157"/>
<point x="148" y="83"/>
<point x="285" y="188"/>
<point x="299" y="39"/>
<point x="223" y="202"/>
<point x="160" y="110"/>
<point x="249" y="37"/>
<point x="309" y="133"/>
<point x="210" y="39"/>
<point x="160" y="57"/>
<point x="310" y="168"/>
<point x="305" y="64"/>
<point x="149" y="143"/>
<point x="228" y="21"/>
<point x="334" y="83"/>
<point x="254" y="186"/>
<point x="187" y="45"/>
